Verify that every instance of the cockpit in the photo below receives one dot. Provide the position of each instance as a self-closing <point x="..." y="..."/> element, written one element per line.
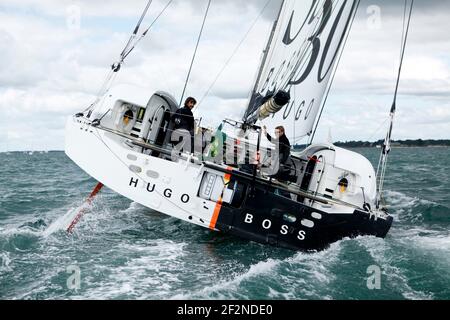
<point x="317" y="171"/>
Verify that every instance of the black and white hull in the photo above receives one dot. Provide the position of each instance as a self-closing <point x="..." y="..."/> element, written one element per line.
<point x="302" y="228"/>
<point x="321" y="195"/>
<point x="330" y="196"/>
<point x="259" y="212"/>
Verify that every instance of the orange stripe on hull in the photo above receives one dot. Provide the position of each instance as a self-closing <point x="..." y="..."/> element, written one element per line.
<point x="227" y="177"/>
<point x="212" y="226"/>
<point x="215" y="217"/>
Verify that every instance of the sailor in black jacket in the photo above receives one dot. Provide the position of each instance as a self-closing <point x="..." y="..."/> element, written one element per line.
<point x="284" y="149"/>
<point x="183" y="120"/>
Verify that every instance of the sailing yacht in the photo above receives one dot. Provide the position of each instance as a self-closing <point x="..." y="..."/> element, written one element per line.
<point x="231" y="183"/>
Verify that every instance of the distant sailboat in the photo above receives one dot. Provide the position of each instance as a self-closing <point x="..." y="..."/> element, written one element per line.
<point x="7" y="151"/>
<point x="233" y="184"/>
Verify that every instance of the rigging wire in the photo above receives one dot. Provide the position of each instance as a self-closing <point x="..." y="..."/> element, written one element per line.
<point x="115" y="67"/>
<point x="136" y="29"/>
<point x="405" y="39"/>
<point x="148" y="29"/>
<point x="233" y="54"/>
<point x="195" y="52"/>
<point x="382" y="165"/>
<point x="334" y="75"/>
<point x="378" y="129"/>
<point x="403" y="30"/>
<point x="130" y="46"/>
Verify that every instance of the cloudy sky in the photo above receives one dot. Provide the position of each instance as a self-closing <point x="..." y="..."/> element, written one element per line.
<point x="55" y="54"/>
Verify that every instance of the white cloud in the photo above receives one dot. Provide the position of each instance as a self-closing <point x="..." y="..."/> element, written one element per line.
<point x="50" y="70"/>
<point x="363" y="89"/>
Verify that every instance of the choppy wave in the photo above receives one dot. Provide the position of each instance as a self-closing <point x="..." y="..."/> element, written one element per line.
<point x="276" y="279"/>
<point x="149" y="272"/>
<point x="416" y="210"/>
<point x="5" y="262"/>
<point x="385" y="257"/>
<point x="125" y="251"/>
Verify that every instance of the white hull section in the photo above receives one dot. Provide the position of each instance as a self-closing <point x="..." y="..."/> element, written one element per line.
<point x="163" y="186"/>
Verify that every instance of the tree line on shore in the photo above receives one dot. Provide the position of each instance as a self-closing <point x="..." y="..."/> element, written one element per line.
<point x="395" y="144"/>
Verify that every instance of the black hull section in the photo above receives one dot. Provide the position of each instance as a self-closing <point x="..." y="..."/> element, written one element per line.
<point x="271" y="219"/>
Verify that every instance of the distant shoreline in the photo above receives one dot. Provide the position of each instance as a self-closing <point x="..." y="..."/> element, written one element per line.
<point x="399" y="144"/>
<point x="393" y="148"/>
<point x="402" y="147"/>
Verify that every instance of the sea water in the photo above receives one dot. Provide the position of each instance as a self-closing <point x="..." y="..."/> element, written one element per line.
<point x="122" y="250"/>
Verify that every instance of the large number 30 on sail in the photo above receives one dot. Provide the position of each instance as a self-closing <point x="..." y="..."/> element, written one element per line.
<point x="301" y="56"/>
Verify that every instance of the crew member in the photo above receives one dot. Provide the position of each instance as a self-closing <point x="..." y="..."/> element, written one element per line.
<point x="184" y="121"/>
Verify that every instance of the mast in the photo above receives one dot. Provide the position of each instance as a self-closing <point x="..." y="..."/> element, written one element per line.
<point x="300" y="60"/>
<point x="267" y="49"/>
<point x="264" y="60"/>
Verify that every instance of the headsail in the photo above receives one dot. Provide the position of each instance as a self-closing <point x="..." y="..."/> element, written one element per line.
<point x="301" y="57"/>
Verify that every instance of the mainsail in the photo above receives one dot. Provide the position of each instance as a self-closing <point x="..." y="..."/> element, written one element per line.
<point x="301" y="56"/>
